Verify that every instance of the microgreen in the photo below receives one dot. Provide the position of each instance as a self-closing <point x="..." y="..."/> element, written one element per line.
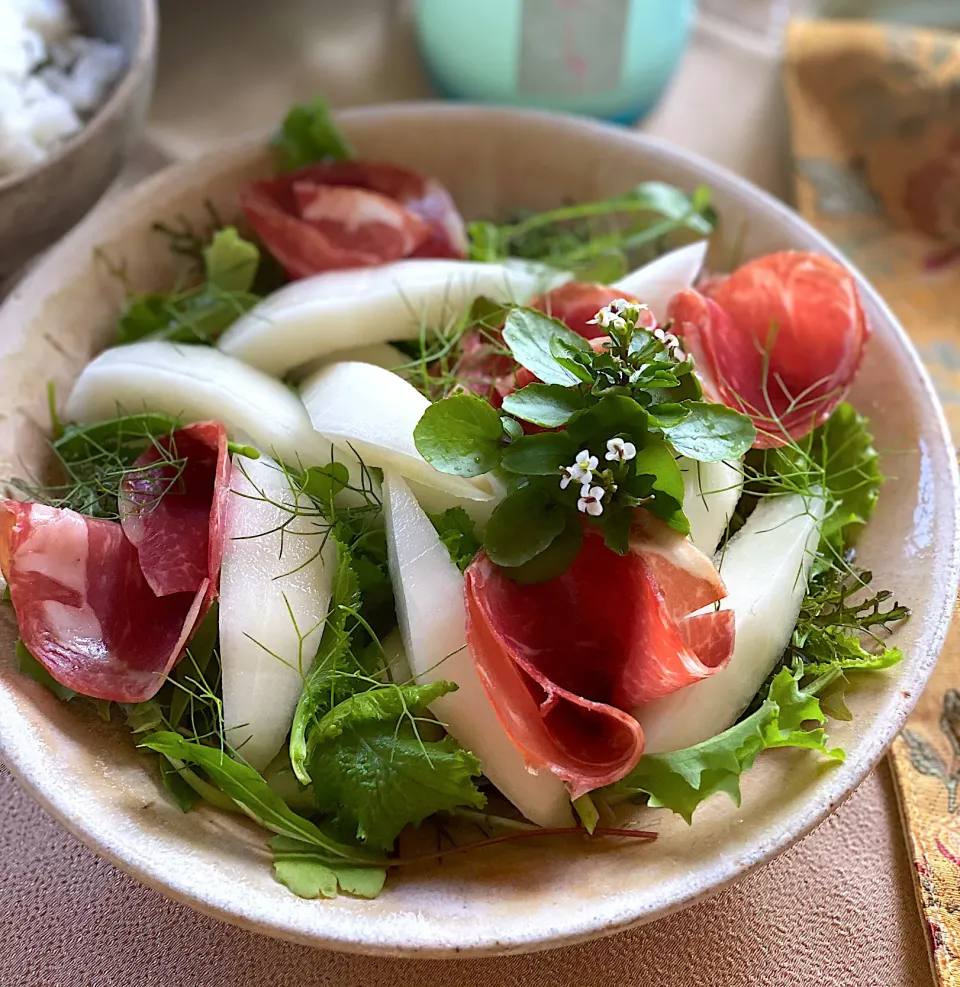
<point x="90" y="462"/>
<point x="596" y="239"/>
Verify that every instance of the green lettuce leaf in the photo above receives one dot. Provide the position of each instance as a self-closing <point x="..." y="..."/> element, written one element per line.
<point x="681" y="780"/>
<point x="371" y="768"/>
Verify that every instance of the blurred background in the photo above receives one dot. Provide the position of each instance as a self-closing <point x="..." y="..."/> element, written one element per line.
<point x="228" y="67"/>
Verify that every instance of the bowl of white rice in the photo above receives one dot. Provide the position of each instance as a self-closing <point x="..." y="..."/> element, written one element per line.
<point x="75" y="84"/>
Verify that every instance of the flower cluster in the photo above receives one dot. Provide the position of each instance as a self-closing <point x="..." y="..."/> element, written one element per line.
<point x="621" y="315"/>
<point x="618" y="315"/>
<point x="584" y="471"/>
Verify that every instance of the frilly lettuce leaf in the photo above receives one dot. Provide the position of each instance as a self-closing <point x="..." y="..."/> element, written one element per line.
<point x="681" y="780"/>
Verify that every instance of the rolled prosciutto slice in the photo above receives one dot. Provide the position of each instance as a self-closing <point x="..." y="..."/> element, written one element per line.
<point x="564" y="660"/>
<point x="352" y="214"/>
<point x="172" y="508"/>
<point x="780" y="339"/>
<point x="108" y="616"/>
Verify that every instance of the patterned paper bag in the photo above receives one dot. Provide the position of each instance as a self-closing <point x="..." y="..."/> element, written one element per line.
<point x="875" y="115"/>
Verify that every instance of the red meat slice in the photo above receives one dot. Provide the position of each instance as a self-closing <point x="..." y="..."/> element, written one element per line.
<point x="563" y="660"/>
<point x="781" y="340"/>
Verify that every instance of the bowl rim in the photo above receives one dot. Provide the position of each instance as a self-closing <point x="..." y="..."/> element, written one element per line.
<point x="574" y="925"/>
<point x="120" y="95"/>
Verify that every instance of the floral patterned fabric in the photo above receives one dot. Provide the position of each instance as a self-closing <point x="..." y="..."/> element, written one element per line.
<point x="875" y="114"/>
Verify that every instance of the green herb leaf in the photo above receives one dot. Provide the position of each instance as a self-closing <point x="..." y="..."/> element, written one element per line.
<point x="458" y="533"/>
<point x="230" y="261"/>
<point x="523" y="525"/>
<point x="593" y="238"/>
<point x="250" y="792"/>
<point x="540" y="455"/>
<point x="192" y="668"/>
<point x="309" y="135"/>
<point x="844" y="447"/>
<point x="711" y="432"/>
<point x="28" y="665"/>
<point x="461" y="434"/>
<point x="179" y="789"/>
<point x="529" y="334"/>
<point x="309" y="874"/>
<point x="555" y="559"/>
<point x="613" y="415"/>
<point x="371" y="767"/>
<point x="549" y="405"/>
<point x="681" y="780"/>
<point x="323" y="483"/>
<point x="326" y="683"/>
<point x="198" y="315"/>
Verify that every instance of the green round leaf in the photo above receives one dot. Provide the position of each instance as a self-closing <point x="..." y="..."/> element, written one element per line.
<point x="555" y="559"/>
<point x="613" y="415"/>
<point x="460" y="434"/>
<point x="549" y="405"/>
<point x="712" y="432"/>
<point x="540" y="455"/>
<point x="522" y="526"/>
<point x="529" y="333"/>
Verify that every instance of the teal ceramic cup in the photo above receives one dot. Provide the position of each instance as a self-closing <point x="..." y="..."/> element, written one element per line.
<point x="604" y="58"/>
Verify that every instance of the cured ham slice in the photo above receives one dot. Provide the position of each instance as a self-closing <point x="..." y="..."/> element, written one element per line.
<point x="172" y="508"/>
<point x="780" y="339"/>
<point x="352" y="214"/>
<point x="563" y="660"/>
<point x="108" y="607"/>
<point x="575" y="304"/>
<point x="84" y="608"/>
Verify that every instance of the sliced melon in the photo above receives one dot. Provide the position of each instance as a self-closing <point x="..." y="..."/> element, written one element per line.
<point x="274" y="594"/>
<point x="328" y="312"/>
<point x="710" y="495"/>
<point x="373" y="412"/>
<point x="765" y="567"/>
<point x="198" y="383"/>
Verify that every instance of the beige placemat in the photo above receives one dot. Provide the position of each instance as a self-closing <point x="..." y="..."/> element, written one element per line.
<point x="835" y="911"/>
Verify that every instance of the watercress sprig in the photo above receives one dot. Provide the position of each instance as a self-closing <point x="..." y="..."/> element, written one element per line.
<point x="618" y="414"/>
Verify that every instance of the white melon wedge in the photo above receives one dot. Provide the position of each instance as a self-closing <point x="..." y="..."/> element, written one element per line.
<point x="198" y="383"/>
<point x="657" y="282"/>
<point x="374" y="412"/>
<point x="274" y="596"/>
<point x="710" y="495"/>
<point x="328" y="312"/>
<point x="428" y="588"/>
<point x="765" y="567"/>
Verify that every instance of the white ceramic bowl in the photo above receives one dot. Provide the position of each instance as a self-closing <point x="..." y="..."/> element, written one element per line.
<point x="517" y="897"/>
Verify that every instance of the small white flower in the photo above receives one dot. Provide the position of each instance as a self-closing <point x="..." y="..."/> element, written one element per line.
<point x="621" y="451"/>
<point x="617" y="314"/>
<point x="581" y="470"/>
<point x="589" y="502"/>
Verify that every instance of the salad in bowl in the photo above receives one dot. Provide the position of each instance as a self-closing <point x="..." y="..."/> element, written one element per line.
<point x="404" y="533"/>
